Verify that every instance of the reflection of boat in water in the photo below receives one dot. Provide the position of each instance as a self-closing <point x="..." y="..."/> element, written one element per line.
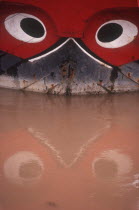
<point x="60" y="50"/>
<point x="51" y="155"/>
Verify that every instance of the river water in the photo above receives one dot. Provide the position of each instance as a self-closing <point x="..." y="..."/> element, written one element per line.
<point x="69" y="153"/>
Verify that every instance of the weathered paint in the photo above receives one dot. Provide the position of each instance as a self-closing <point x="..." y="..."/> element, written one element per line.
<point x="70" y="30"/>
<point x="89" y="76"/>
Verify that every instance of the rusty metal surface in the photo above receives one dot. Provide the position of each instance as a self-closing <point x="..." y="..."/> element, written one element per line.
<point x="68" y="71"/>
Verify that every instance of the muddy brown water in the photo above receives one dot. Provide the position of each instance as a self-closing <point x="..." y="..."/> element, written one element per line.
<point x="69" y="153"/>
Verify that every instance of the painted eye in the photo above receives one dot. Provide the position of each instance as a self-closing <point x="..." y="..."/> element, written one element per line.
<point x="23" y="167"/>
<point x="111" y="164"/>
<point x="116" y="33"/>
<point x="25" y="27"/>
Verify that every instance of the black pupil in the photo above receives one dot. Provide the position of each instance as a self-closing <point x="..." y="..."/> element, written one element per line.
<point x="110" y="32"/>
<point x="106" y="168"/>
<point x="32" y="27"/>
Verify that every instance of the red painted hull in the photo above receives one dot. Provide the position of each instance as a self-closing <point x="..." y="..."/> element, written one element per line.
<point x="97" y="35"/>
<point x="78" y="19"/>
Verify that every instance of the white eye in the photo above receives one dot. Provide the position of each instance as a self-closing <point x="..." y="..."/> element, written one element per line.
<point x="111" y="164"/>
<point x="116" y="33"/>
<point x="25" y="27"/>
<point x="23" y="167"/>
